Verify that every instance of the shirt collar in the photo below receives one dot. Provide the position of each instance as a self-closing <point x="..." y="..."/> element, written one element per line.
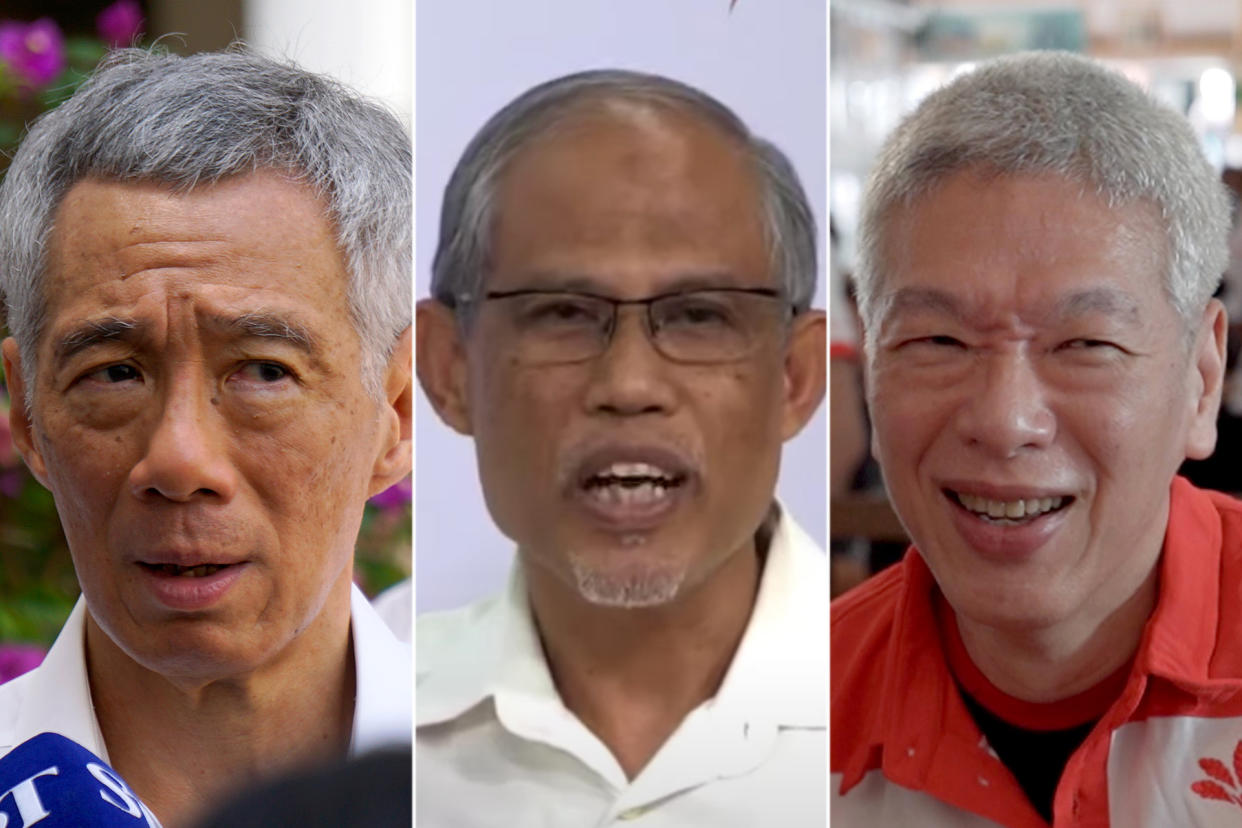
<point x="383" y="684"/>
<point x="1180" y="638"/>
<point x="777" y="674"/>
<point x="58" y="698"/>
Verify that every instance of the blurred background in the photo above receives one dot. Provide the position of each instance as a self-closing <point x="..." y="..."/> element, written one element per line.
<point x="47" y="47"/>
<point x="885" y="56"/>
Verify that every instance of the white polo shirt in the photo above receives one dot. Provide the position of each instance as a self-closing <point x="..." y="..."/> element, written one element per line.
<point x="496" y="747"/>
<point x="55" y="697"/>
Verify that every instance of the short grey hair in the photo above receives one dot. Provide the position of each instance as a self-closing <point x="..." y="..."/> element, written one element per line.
<point x="466" y="216"/>
<point x="1056" y="113"/>
<point x="185" y="121"/>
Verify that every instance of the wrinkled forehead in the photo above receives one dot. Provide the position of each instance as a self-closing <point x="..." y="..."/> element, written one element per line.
<point x="983" y="225"/>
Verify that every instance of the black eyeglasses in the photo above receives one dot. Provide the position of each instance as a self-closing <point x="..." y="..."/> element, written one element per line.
<point x="714" y="325"/>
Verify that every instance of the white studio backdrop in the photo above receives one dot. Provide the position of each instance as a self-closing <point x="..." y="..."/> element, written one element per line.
<point x="767" y="61"/>
<point x="367" y="44"/>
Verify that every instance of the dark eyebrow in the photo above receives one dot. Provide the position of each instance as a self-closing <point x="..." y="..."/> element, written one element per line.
<point x="95" y="332"/>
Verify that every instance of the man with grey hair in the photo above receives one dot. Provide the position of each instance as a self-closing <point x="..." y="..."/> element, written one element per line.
<point x="621" y="322"/>
<point x="1040" y="244"/>
<point x="205" y="265"/>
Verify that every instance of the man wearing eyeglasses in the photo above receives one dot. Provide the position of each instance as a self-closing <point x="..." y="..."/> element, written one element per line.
<point x="621" y="322"/>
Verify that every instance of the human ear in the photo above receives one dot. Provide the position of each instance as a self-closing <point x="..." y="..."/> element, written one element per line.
<point x="395" y="457"/>
<point x="1208" y="379"/>
<point x="20" y="423"/>
<point x="806" y="370"/>
<point x="441" y="359"/>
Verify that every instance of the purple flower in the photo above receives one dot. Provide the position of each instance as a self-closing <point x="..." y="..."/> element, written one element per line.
<point x="34" y="52"/>
<point x="16" y="659"/>
<point x="395" y="496"/>
<point x="120" y="24"/>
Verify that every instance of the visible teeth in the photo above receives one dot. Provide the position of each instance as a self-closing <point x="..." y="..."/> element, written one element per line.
<point x="635" y="470"/>
<point x="618" y="494"/>
<point x="1009" y="509"/>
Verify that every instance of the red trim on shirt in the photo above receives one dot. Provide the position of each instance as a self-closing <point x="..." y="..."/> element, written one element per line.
<point x="843" y="350"/>
<point x="1073" y="711"/>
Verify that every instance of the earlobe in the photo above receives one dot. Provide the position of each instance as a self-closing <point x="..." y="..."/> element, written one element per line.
<point x="395" y="458"/>
<point x="806" y="370"/>
<point x="442" y="364"/>
<point x="1208" y="376"/>
<point x="20" y="423"/>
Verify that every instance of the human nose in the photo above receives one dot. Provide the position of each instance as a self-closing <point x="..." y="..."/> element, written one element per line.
<point x="1006" y="410"/>
<point x="186" y="454"/>
<point x="630" y="376"/>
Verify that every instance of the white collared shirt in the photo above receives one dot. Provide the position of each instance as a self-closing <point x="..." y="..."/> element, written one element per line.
<point x="496" y="747"/>
<point x="55" y="697"/>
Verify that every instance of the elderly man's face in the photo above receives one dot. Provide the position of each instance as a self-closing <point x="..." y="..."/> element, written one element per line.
<point x="1033" y="394"/>
<point x="626" y="475"/>
<point x="200" y="418"/>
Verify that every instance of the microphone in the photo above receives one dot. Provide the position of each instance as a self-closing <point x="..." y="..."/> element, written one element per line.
<point x="54" y="782"/>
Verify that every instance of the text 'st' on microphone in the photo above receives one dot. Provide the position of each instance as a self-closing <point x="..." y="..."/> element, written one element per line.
<point x="54" y="782"/>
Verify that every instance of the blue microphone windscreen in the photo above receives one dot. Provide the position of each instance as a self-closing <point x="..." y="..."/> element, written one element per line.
<point x="54" y="782"/>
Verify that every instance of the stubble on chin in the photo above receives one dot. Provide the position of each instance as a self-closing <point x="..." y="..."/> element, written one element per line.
<point x="626" y="587"/>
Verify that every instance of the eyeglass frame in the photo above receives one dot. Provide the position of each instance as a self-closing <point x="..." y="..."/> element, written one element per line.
<point x="466" y="301"/>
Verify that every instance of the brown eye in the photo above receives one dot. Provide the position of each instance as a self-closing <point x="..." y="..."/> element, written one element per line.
<point x="113" y="374"/>
<point x="263" y="372"/>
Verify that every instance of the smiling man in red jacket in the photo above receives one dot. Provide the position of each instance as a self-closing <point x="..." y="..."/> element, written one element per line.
<point x="1040" y="245"/>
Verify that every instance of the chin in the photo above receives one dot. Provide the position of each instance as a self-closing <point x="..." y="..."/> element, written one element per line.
<point x="633" y="585"/>
<point x="200" y="655"/>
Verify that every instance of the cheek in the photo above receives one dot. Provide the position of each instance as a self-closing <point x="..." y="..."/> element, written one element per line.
<point x="520" y="413"/>
<point x="87" y="470"/>
<point x="1135" y="430"/>
<point x="905" y="423"/>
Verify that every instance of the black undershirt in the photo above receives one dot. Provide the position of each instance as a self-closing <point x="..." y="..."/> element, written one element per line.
<point x="1036" y="758"/>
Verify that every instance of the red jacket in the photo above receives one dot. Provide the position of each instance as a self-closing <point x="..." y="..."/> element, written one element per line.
<point x="1166" y="754"/>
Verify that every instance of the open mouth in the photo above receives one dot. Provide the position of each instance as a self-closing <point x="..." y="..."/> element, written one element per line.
<point x="196" y="571"/>
<point x="1009" y="512"/>
<point x="632" y="484"/>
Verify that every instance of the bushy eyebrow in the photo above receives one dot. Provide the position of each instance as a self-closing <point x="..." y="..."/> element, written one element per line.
<point x="95" y="332"/>
<point x="268" y="325"/>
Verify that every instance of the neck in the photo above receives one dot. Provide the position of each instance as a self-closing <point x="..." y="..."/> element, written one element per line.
<point x="188" y="745"/>
<point x="632" y="675"/>
<point x="1046" y="664"/>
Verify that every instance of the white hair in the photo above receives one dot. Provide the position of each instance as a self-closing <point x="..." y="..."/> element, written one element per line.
<point x="184" y="121"/>
<point x="1058" y="113"/>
